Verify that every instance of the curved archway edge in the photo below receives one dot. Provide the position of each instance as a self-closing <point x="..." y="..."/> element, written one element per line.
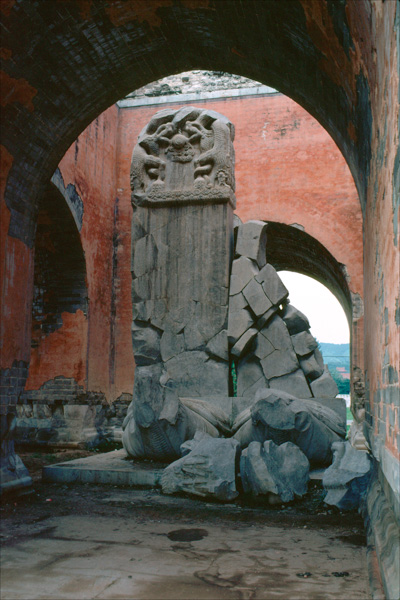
<point x="65" y="62"/>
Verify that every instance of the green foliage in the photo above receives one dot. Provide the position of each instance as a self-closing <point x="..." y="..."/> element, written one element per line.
<point x="234" y="378"/>
<point x="343" y="384"/>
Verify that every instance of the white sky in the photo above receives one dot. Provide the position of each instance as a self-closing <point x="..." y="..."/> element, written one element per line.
<point x="327" y="319"/>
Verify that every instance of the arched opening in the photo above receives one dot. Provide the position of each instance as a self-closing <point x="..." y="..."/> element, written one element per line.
<point x="57" y="373"/>
<point x="336" y="60"/>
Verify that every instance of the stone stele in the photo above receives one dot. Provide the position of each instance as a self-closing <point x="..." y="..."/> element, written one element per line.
<point x="182" y="180"/>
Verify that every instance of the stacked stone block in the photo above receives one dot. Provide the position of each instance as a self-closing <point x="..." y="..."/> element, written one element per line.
<point x="269" y="338"/>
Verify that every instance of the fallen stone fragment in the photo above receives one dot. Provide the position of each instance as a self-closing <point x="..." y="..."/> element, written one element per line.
<point x="256" y="298"/>
<point x="250" y="376"/>
<point x="293" y="383"/>
<point x="243" y="270"/>
<point x="324" y="386"/>
<point x="280" y="417"/>
<point x="218" y="345"/>
<point x="295" y="320"/>
<point x="279" y="362"/>
<point x="346" y="480"/>
<point x="304" y="343"/>
<point x="244" y="342"/>
<point x="272" y="284"/>
<point x="251" y="241"/>
<point x="171" y="345"/>
<point x="311" y="367"/>
<point x="276" y="332"/>
<point x="146" y="344"/>
<point x="270" y="469"/>
<point x="207" y="470"/>
<point x="263" y="346"/>
<point x="238" y="323"/>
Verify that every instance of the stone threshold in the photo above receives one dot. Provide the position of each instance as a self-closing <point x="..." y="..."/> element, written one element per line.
<point x="115" y="468"/>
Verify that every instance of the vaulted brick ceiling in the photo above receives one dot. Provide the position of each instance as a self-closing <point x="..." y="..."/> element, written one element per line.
<point x="66" y="61"/>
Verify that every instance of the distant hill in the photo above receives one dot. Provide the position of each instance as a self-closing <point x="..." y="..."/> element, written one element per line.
<point x="336" y="355"/>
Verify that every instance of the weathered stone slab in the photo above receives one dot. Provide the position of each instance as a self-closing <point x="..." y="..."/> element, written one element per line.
<point x="281" y="418"/>
<point x="195" y="375"/>
<point x="276" y="332"/>
<point x="244" y="342"/>
<point x="256" y="298"/>
<point x="270" y="469"/>
<point x="218" y="345"/>
<point x="238" y="322"/>
<point x="295" y="320"/>
<point x="324" y="386"/>
<point x="243" y="270"/>
<point x="171" y="345"/>
<point x="250" y="376"/>
<point x="263" y="346"/>
<point x="146" y="344"/>
<point x="272" y="284"/>
<point x="347" y="478"/>
<point x="279" y="362"/>
<point x="145" y="256"/>
<point x="293" y="383"/>
<point x="304" y="343"/>
<point x="251" y="241"/>
<point x="207" y="469"/>
<point x="310" y="367"/>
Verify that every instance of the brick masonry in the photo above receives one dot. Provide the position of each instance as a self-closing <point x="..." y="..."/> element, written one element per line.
<point x="63" y="63"/>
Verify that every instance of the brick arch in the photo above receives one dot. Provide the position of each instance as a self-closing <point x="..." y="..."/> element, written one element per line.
<point x="100" y="51"/>
<point x="291" y="249"/>
<point x="60" y="295"/>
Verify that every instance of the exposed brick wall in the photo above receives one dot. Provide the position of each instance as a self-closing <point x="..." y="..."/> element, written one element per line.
<point x="65" y="62"/>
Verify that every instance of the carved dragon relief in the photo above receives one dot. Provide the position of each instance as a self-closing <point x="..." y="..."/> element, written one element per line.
<point x="184" y="156"/>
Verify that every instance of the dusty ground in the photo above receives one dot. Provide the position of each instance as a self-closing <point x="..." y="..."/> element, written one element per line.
<point x="89" y="541"/>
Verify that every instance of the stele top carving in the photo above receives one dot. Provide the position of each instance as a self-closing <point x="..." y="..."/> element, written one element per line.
<point x="184" y="156"/>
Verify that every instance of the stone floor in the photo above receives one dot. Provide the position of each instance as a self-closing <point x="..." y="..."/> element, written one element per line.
<point x="81" y="541"/>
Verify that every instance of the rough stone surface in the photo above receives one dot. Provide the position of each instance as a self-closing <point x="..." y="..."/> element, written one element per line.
<point x="293" y="383"/>
<point x="272" y="284"/>
<point x="238" y="322"/>
<point x="324" y="386"/>
<point x="257" y="298"/>
<point x="218" y="345"/>
<point x="250" y="376"/>
<point x="270" y="469"/>
<point x="347" y="478"/>
<point x="281" y="418"/>
<point x="295" y="320"/>
<point x="182" y="181"/>
<point x="251" y="241"/>
<point x="311" y="367"/>
<point x="195" y="374"/>
<point x="304" y="343"/>
<point x="207" y="470"/>
<point x="278" y="363"/>
<point x="146" y="344"/>
<point x="243" y="270"/>
<point x="244" y="342"/>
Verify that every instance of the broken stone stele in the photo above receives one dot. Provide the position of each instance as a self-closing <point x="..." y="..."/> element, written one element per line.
<point x="182" y="179"/>
<point x="278" y="472"/>
<point x="207" y="468"/>
<point x="346" y="480"/>
<point x="279" y="417"/>
<point x="200" y="303"/>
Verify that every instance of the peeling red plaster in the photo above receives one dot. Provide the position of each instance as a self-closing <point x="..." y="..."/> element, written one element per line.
<point x="5" y="53"/>
<point x="6" y="6"/>
<point x="62" y="352"/>
<point x="16" y="90"/>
